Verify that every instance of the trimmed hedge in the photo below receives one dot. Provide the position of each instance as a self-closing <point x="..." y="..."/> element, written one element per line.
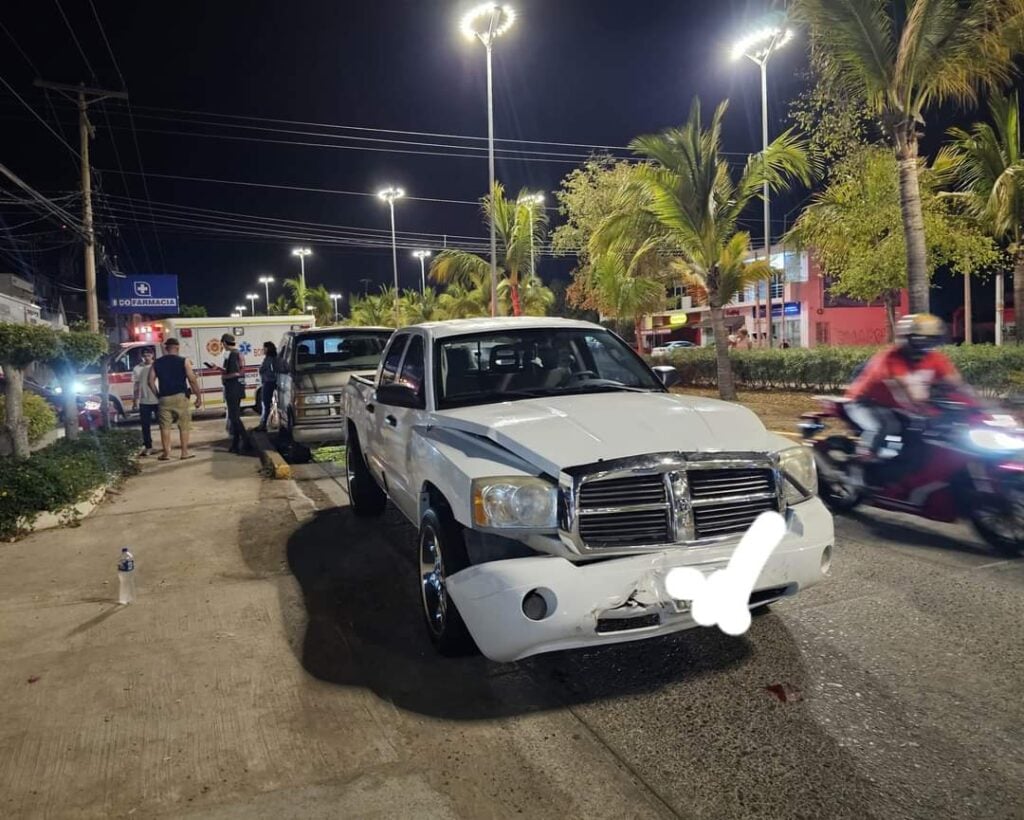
<point x="991" y="370"/>
<point x="63" y="474"/>
<point x="38" y="413"/>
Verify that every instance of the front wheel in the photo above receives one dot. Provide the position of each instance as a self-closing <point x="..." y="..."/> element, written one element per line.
<point x="835" y="484"/>
<point x="442" y="552"/>
<point x="366" y="498"/>
<point x="1000" y="519"/>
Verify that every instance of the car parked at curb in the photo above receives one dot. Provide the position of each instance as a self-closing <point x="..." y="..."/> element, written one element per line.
<point x="671" y="347"/>
<point x="555" y="482"/>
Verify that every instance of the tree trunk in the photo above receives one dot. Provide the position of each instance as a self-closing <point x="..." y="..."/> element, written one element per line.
<point x="15" y="429"/>
<point x="67" y="385"/>
<point x="913" y="222"/>
<point x="968" y="323"/>
<point x="517" y="309"/>
<point x="889" y="299"/>
<point x="726" y="386"/>
<point x="1018" y="296"/>
<point x="1000" y="281"/>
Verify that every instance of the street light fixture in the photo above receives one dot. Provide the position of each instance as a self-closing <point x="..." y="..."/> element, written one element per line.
<point x="532" y="201"/>
<point x="240" y="309"/>
<point x="389" y="195"/>
<point x="334" y="298"/>
<point x="302" y="253"/>
<point x="486" y="23"/>
<point x="422" y="256"/>
<point x="252" y="297"/>
<point x="758" y="47"/>
<point x="265" y="281"/>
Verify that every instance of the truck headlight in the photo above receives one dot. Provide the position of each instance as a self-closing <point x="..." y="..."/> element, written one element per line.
<point x="800" y="474"/>
<point x="314" y="398"/>
<point x="515" y="502"/>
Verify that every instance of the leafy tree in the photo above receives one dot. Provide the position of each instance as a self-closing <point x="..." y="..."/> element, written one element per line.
<point x="615" y="290"/>
<point x="192" y="311"/>
<point x="900" y="59"/>
<point x="694" y="197"/>
<point x="461" y="302"/>
<point x="836" y="125"/>
<point x="854" y="227"/>
<point x="519" y="227"/>
<point x="416" y="307"/>
<point x="20" y="347"/>
<point x="373" y="310"/>
<point x="76" y="349"/>
<point x="281" y="306"/>
<point x="316" y="299"/>
<point x="989" y="164"/>
<point x="534" y="298"/>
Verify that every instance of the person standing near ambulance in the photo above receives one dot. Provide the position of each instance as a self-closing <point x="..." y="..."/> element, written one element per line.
<point x="170" y="378"/>
<point x="145" y="399"/>
<point x="233" y="379"/>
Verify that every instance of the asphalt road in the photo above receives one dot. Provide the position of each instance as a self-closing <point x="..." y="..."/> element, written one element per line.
<point x="892" y="690"/>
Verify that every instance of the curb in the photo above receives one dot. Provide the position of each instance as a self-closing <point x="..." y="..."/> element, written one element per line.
<point x="273" y="462"/>
<point x="64" y="517"/>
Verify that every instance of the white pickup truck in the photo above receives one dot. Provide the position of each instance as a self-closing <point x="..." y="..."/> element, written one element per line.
<point x="555" y="481"/>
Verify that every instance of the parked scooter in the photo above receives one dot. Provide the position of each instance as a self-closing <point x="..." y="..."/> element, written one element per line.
<point x="960" y="461"/>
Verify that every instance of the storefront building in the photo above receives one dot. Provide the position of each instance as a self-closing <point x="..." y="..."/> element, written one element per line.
<point x="804" y="312"/>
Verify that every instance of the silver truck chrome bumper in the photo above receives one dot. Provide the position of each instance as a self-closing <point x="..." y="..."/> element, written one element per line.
<point x="621" y="599"/>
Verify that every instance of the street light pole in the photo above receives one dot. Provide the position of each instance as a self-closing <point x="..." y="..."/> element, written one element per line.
<point x="499" y="20"/>
<point x="758" y="47"/>
<point x="334" y="298"/>
<point x="302" y="253"/>
<point x="240" y="309"/>
<point x="265" y="281"/>
<point x="532" y="201"/>
<point x="422" y="256"/>
<point x="252" y="297"/>
<point x="389" y="195"/>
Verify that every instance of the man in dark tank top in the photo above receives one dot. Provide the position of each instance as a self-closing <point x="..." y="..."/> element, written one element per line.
<point x="170" y="378"/>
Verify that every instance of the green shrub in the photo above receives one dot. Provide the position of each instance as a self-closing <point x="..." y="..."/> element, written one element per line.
<point x="991" y="370"/>
<point x="62" y="474"/>
<point x="38" y="413"/>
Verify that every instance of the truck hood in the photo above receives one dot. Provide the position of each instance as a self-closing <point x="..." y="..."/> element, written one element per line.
<point x="556" y="433"/>
<point x="328" y="381"/>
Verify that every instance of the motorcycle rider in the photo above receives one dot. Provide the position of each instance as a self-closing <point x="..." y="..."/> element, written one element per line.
<point x="901" y="376"/>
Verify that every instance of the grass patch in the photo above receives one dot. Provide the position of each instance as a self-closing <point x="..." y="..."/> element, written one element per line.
<point x="334" y="454"/>
<point x="778" y="409"/>
<point x="61" y="475"/>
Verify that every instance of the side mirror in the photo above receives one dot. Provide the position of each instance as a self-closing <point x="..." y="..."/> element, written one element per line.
<point x="399" y="395"/>
<point x="669" y="375"/>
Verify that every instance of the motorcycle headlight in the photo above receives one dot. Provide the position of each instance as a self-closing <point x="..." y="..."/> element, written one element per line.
<point x="515" y="502"/>
<point x="996" y="440"/>
<point x="800" y="474"/>
<point x="78" y="387"/>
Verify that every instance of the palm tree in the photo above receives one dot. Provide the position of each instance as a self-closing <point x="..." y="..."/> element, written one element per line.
<point x="281" y="306"/>
<point x="534" y="298"/>
<point x="900" y="59"/>
<point x="619" y="292"/>
<point x="519" y="227"/>
<point x="373" y="310"/>
<point x="989" y="165"/>
<point x="461" y="302"/>
<point x="417" y="307"/>
<point x="694" y="197"/>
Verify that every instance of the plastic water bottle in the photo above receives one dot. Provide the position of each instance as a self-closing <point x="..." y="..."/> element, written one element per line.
<point x="126" y="577"/>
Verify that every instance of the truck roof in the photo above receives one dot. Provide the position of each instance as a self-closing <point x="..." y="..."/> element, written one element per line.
<point x="463" y="327"/>
<point x="344" y="329"/>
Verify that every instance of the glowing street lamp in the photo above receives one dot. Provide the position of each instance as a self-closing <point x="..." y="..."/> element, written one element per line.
<point x="758" y="46"/>
<point x="334" y="298"/>
<point x="422" y="256"/>
<point x="486" y="23"/>
<point x="302" y="253"/>
<point x="240" y="309"/>
<point x="532" y="201"/>
<point x="265" y="281"/>
<point x="389" y="195"/>
<point x="252" y="297"/>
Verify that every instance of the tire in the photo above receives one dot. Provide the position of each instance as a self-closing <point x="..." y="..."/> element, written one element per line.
<point x="1000" y="519"/>
<point x="833" y="454"/>
<point x="366" y="498"/>
<point x="441" y="550"/>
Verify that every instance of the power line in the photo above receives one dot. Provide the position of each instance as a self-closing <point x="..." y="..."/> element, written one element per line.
<point x="45" y="124"/>
<point x="74" y="37"/>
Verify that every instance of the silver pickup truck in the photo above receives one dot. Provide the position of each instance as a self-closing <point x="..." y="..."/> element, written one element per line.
<point x="555" y="482"/>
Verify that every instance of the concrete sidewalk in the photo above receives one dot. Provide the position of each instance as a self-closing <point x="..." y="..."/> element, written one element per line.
<point x="206" y="698"/>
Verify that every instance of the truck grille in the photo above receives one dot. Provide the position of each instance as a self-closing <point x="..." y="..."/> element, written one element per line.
<point x="641" y="510"/>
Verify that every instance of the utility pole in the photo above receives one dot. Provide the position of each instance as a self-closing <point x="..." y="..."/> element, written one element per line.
<point x="85" y="97"/>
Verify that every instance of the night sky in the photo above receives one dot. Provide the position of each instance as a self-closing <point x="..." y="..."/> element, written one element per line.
<point x="585" y="72"/>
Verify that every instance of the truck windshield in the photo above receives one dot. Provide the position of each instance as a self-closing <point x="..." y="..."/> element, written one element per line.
<point x="507" y="365"/>
<point x="349" y="350"/>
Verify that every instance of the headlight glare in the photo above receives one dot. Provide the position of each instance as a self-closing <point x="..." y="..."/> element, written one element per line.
<point x="800" y="474"/>
<point x="994" y="439"/>
<point x="515" y="502"/>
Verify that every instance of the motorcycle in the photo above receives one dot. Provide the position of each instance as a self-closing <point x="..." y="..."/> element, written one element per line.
<point x="959" y="461"/>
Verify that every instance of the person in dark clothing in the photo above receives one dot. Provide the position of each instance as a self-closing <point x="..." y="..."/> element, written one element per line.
<point x="147" y="402"/>
<point x="268" y="382"/>
<point x="170" y="378"/>
<point x="232" y="376"/>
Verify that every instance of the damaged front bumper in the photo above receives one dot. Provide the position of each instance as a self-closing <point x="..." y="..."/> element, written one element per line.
<point x="619" y="599"/>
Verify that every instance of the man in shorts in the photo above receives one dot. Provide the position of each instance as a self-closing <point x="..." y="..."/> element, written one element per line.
<point x="170" y="377"/>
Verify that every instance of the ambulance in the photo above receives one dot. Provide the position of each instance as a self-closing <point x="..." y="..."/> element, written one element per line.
<point x="200" y="344"/>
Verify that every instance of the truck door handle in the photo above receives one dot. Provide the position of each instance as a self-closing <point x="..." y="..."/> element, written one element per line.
<point x="391" y="420"/>
<point x="370" y="408"/>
